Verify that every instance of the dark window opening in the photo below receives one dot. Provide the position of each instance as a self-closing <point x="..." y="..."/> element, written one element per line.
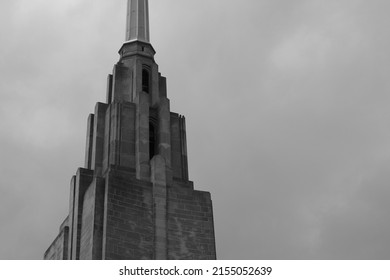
<point x="145" y="81"/>
<point x="152" y="141"/>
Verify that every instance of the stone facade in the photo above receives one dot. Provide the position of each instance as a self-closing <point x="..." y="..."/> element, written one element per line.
<point x="133" y="198"/>
<point x="58" y="250"/>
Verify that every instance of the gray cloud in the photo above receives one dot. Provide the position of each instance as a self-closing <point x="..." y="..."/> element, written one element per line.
<point x="286" y="105"/>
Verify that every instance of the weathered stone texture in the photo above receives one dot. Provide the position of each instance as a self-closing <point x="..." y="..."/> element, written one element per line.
<point x="71" y="215"/>
<point x="92" y="221"/>
<point x="127" y="140"/>
<point x="159" y="182"/>
<point x="98" y="138"/>
<point x="178" y="147"/>
<point x="128" y="206"/>
<point x="190" y="225"/>
<point x="122" y="82"/>
<point x="83" y="180"/>
<point x="128" y="218"/>
<point x="58" y="250"/>
<point x="142" y="137"/>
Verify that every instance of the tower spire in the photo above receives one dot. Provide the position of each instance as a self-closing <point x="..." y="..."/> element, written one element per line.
<point x="137" y="27"/>
<point x="131" y="200"/>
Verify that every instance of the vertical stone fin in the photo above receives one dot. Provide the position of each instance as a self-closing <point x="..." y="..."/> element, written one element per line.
<point x="158" y="178"/>
<point x="89" y="142"/>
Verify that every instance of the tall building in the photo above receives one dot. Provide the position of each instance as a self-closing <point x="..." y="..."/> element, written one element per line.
<point x="133" y="199"/>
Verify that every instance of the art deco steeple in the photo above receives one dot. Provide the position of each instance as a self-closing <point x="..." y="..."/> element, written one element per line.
<point x="137" y="27"/>
<point x="133" y="199"/>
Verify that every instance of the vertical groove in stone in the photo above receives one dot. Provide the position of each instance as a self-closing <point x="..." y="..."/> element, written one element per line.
<point x="82" y="182"/>
<point x="164" y="147"/>
<point x="89" y="142"/>
<point x="107" y="132"/>
<point x="109" y="88"/>
<point x="98" y="138"/>
<point x="115" y="133"/>
<point x="118" y="135"/>
<point x="158" y="178"/>
<point x="142" y="137"/>
<point x="183" y="143"/>
<point x="71" y="216"/>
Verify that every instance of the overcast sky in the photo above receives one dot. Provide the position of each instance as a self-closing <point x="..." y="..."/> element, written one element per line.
<point x="287" y="107"/>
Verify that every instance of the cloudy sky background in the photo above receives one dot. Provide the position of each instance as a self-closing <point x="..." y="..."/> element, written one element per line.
<point x="287" y="106"/>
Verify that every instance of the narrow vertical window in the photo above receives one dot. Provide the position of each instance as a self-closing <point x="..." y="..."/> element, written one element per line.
<point x="145" y="80"/>
<point x="152" y="140"/>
